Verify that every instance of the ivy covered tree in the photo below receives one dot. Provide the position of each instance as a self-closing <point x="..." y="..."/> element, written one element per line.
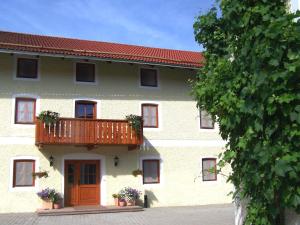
<point x="250" y="84"/>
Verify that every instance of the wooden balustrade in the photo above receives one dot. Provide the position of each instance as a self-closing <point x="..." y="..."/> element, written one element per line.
<point x="88" y="132"/>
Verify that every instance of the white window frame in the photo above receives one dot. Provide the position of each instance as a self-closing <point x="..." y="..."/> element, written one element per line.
<point x="13" y="109"/>
<point x="160" y="119"/>
<point x="161" y="169"/>
<point x="82" y="82"/>
<point x="140" y="81"/>
<point x="15" y="68"/>
<point x="34" y="188"/>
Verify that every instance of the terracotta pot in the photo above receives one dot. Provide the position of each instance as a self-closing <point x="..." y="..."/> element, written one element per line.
<point x="131" y="203"/>
<point x="56" y="205"/>
<point x="122" y="203"/>
<point x="116" y="201"/>
<point x="47" y="204"/>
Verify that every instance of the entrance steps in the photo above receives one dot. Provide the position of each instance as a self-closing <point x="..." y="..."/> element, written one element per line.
<point x="79" y="210"/>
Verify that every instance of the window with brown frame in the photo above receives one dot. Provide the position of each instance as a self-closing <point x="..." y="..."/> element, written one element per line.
<point x="25" y="110"/>
<point x="85" y="72"/>
<point x="150" y="115"/>
<point x="22" y="173"/>
<point x="151" y="173"/>
<point x="148" y="77"/>
<point x="206" y="121"/>
<point x="209" y="169"/>
<point x="27" y="68"/>
<point x="85" y="109"/>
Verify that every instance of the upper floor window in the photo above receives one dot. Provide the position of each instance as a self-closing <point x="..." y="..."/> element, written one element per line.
<point x="27" y="68"/>
<point x="22" y="173"/>
<point x="150" y="115"/>
<point x="25" y="110"/>
<point x="85" y="109"/>
<point x="148" y="77"/>
<point x="85" y="72"/>
<point x="206" y="121"/>
<point x="151" y="173"/>
<point x="209" y="169"/>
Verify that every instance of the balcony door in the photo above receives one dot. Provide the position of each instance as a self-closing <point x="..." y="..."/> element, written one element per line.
<point x="82" y="182"/>
<point x="86" y="109"/>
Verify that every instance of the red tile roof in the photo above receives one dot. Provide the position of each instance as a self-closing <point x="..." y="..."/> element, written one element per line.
<point x="104" y="50"/>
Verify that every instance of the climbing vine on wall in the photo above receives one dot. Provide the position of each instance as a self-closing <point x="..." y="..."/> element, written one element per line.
<point x="250" y="84"/>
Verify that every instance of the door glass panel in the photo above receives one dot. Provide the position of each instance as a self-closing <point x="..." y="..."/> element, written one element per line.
<point x="71" y="169"/>
<point x="88" y="174"/>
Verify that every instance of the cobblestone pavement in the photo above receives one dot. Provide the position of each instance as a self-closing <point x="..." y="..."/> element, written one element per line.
<point x="196" y="215"/>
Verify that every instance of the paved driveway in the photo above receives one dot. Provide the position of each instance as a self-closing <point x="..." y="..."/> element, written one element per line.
<point x="197" y="215"/>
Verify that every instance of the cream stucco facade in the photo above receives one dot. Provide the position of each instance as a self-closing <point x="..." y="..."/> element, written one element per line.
<point x="178" y="143"/>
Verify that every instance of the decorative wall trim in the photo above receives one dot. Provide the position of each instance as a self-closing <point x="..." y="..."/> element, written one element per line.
<point x="184" y="143"/>
<point x="146" y="144"/>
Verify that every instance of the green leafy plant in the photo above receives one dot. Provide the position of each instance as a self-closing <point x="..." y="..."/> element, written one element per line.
<point x="129" y="194"/>
<point x="40" y="174"/>
<point x="135" y="122"/>
<point x="48" y="117"/>
<point x="137" y="172"/>
<point x="249" y="83"/>
<point x="115" y="195"/>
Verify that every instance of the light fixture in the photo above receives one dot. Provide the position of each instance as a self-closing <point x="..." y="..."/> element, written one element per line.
<point x="116" y="160"/>
<point x="51" y="160"/>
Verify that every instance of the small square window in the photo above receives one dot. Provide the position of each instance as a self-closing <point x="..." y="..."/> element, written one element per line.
<point x="22" y="174"/>
<point x="148" y="77"/>
<point x="151" y="173"/>
<point x="27" y="68"/>
<point x="85" y="109"/>
<point x="150" y="115"/>
<point x="85" y="72"/>
<point x="25" y="111"/>
<point x="209" y="169"/>
<point x="206" y="121"/>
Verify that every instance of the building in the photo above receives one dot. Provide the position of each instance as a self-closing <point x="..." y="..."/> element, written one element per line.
<point x="92" y="151"/>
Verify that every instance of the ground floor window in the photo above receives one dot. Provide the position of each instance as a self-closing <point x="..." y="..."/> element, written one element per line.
<point x="22" y="173"/>
<point x="151" y="173"/>
<point x="209" y="169"/>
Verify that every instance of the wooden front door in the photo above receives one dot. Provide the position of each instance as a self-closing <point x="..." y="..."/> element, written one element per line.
<point x="82" y="182"/>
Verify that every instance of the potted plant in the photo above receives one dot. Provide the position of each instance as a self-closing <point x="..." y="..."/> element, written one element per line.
<point x="48" y="117"/>
<point x="121" y="198"/>
<point x="56" y="199"/>
<point x="122" y="202"/>
<point x="40" y="174"/>
<point x="49" y="197"/>
<point x="135" y="122"/>
<point x="137" y="172"/>
<point x="116" y="199"/>
<point x="130" y="195"/>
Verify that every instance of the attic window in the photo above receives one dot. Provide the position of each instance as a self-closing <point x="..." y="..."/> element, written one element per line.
<point x="85" y="72"/>
<point x="148" y="77"/>
<point x="206" y="121"/>
<point x="27" y="68"/>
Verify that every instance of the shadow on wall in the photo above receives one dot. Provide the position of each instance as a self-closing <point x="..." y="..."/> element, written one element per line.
<point x="151" y="198"/>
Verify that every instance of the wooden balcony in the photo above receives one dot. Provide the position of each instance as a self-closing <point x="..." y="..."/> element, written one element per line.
<point x="87" y="132"/>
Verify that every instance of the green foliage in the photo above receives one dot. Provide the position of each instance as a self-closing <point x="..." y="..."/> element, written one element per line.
<point x="48" y="117"/>
<point x="250" y="84"/>
<point x="135" y="122"/>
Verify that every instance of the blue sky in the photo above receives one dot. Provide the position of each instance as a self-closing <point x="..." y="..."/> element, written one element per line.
<point x="156" y="23"/>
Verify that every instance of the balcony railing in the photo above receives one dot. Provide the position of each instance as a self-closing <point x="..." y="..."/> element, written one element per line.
<point x="88" y="132"/>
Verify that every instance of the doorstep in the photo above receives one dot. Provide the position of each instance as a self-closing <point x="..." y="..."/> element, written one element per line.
<point x="78" y="210"/>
